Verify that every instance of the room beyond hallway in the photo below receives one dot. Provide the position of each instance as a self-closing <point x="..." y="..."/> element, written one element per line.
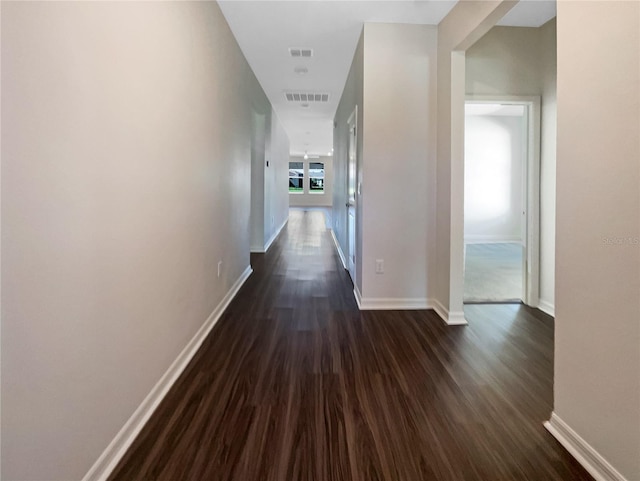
<point x="295" y="383"/>
<point x="493" y="272"/>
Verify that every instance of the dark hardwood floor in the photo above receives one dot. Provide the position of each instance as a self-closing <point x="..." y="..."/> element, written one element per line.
<point x="294" y="383"/>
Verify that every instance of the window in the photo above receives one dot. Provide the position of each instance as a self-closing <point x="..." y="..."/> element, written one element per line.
<point x="296" y="177"/>
<point x="316" y="177"/>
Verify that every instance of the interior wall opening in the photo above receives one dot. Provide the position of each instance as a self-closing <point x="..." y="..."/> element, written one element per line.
<point x="495" y="200"/>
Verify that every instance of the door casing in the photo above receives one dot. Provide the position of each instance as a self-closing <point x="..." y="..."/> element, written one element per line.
<point x="531" y="261"/>
<point x="351" y="204"/>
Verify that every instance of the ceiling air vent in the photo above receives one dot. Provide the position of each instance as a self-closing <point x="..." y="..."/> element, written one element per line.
<point x="318" y="97"/>
<point x="301" y="52"/>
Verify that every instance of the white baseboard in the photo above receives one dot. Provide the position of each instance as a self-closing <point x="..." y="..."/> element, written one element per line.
<point x="382" y="304"/>
<point x="340" y="253"/>
<point x="404" y="304"/>
<point x="275" y="234"/>
<point x="547" y="308"/>
<point x="400" y="304"/>
<point x="263" y="249"/>
<point x="442" y="311"/>
<point x="358" y="296"/>
<point x="449" y="318"/>
<point x="456" y="319"/>
<point x="114" y="452"/>
<point x="584" y="453"/>
<point x="393" y="304"/>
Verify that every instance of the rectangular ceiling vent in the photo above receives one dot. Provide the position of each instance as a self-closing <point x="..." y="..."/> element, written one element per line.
<point x="306" y="96"/>
<point x="301" y="52"/>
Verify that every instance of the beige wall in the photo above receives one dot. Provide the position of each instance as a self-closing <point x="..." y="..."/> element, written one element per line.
<point x="396" y="165"/>
<point x="505" y="61"/>
<point x="398" y="187"/>
<point x="521" y="61"/>
<point x="307" y="199"/>
<point x="125" y="164"/>
<point x="597" y="337"/>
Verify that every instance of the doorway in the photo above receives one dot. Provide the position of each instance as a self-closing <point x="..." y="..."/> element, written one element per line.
<point x="501" y="200"/>
<point x="351" y="194"/>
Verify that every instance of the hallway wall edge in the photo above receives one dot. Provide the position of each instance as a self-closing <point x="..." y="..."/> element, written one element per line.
<point x="582" y="451"/>
<point x="117" y="448"/>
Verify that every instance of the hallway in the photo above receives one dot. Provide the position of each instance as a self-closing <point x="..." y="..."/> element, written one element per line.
<point x="295" y="383"/>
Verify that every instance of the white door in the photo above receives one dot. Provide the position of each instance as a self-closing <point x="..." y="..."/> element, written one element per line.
<point x="351" y="195"/>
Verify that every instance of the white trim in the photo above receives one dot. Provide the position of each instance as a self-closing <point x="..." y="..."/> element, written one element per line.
<point x="340" y="253"/>
<point x="531" y="263"/>
<point x="265" y="248"/>
<point x="408" y="304"/>
<point x="584" y="453"/>
<point x="358" y="296"/>
<point x="352" y="122"/>
<point x="276" y="234"/>
<point x="449" y="318"/>
<point x="547" y="308"/>
<point x="118" y="446"/>
<point x="442" y="311"/>
<point x="456" y="319"/>
<point x="394" y="304"/>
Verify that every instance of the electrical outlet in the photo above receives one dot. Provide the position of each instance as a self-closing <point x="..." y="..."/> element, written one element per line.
<point x="379" y="266"/>
<point x="219" y="268"/>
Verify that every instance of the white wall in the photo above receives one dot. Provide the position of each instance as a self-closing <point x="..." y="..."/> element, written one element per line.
<point x="276" y="196"/>
<point x="493" y="178"/>
<point x="315" y="199"/>
<point x="597" y="329"/>
<point x="258" y="152"/>
<point x="398" y="190"/>
<point x="276" y="175"/>
<point x="522" y="61"/>
<point x="125" y="165"/>
<point x="352" y="97"/>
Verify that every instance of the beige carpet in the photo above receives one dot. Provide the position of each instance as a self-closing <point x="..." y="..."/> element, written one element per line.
<point x="493" y="272"/>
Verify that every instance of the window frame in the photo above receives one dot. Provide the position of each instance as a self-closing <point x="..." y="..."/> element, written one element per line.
<point x="302" y="190"/>
<point x="310" y="177"/>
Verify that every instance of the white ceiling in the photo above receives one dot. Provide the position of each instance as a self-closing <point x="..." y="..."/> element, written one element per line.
<point x="266" y="29"/>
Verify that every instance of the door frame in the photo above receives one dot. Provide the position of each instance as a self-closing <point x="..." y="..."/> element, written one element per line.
<point x="352" y="122"/>
<point x="531" y="260"/>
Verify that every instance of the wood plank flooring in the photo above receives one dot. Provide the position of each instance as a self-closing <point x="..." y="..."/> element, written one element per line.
<point x="294" y="383"/>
